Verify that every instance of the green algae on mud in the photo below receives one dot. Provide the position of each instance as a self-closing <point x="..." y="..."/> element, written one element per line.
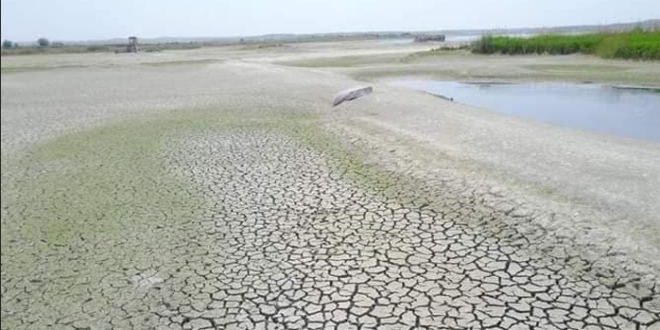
<point x="109" y="180"/>
<point x="101" y="203"/>
<point x="20" y="69"/>
<point x="88" y="207"/>
<point x="92" y="183"/>
<point x="182" y="63"/>
<point x="346" y="61"/>
<point x="126" y="167"/>
<point x="352" y="164"/>
<point x="576" y="68"/>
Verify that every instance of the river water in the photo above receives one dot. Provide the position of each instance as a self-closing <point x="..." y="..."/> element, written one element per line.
<point x="603" y="109"/>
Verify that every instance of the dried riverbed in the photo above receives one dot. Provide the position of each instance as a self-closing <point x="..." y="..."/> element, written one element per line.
<point x="222" y="196"/>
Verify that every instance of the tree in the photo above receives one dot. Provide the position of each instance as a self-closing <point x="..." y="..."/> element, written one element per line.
<point x="43" y="42"/>
<point x="7" y="44"/>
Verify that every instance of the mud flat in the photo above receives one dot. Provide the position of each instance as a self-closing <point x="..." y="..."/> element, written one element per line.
<point x="219" y="189"/>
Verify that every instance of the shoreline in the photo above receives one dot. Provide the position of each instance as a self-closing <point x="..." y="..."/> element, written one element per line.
<point x="480" y="154"/>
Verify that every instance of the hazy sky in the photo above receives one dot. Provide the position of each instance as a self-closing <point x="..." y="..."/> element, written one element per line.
<point x="103" y="19"/>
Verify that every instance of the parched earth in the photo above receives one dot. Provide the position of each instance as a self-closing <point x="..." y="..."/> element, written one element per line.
<point x="258" y="219"/>
<point x="284" y="241"/>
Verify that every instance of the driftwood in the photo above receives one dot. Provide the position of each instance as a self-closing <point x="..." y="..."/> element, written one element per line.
<point x="351" y="94"/>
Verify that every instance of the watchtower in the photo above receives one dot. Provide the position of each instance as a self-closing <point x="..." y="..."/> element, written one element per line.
<point x="133" y="46"/>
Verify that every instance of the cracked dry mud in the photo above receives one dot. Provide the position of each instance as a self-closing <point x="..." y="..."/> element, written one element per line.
<point x="281" y="237"/>
<point x="217" y="196"/>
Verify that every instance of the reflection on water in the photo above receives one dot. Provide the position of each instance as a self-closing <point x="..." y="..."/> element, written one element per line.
<point x="471" y="37"/>
<point x="609" y="110"/>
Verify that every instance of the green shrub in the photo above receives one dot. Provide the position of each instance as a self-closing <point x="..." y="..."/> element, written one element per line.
<point x="484" y="45"/>
<point x="98" y="48"/>
<point x="43" y="42"/>
<point x="636" y="44"/>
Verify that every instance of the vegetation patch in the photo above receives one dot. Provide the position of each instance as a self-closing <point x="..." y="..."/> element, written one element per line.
<point x="19" y="69"/>
<point x="347" y="61"/>
<point x="576" y="68"/>
<point x="268" y="45"/>
<point x="459" y="50"/>
<point x="182" y="63"/>
<point x="638" y="45"/>
<point x="98" y="182"/>
<point x="114" y="180"/>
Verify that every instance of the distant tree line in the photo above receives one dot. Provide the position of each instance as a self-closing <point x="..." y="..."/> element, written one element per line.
<point x="8" y="44"/>
<point x="42" y="42"/>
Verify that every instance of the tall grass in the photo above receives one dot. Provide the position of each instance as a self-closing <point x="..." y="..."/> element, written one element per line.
<point x="640" y="45"/>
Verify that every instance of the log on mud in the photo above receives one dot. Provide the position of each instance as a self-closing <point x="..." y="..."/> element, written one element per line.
<point x="351" y="94"/>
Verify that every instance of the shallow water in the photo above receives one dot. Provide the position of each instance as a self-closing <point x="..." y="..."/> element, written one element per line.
<point x="603" y="109"/>
<point x="472" y="37"/>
